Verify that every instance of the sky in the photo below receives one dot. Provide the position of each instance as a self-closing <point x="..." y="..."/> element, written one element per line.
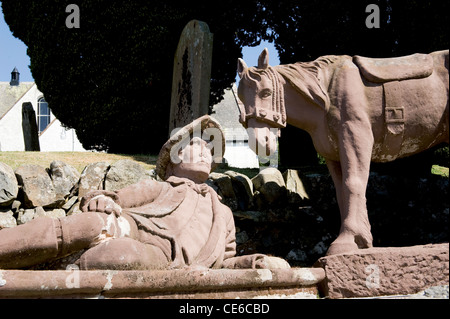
<point x="251" y="54"/>
<point x="13" y="53"/>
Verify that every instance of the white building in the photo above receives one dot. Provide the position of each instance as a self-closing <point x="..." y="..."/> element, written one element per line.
<point x="52" y="135"/>
<point x="237" y="152"/>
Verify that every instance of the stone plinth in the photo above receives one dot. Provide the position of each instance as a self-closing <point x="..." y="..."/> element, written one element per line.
<point x="208" y="283"/>
<point x="385" y="271"/>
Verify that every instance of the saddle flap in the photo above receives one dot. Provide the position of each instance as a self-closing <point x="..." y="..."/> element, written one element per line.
<point x="413" y="66"/>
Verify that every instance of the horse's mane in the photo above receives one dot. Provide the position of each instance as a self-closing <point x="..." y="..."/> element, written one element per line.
<point x="310" y="78"/>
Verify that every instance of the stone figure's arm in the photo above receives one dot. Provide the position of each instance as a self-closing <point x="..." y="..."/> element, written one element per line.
<point x="230" y="260"/>
<point x="134" y="195"/>
<point x="230" y="243"/>
<point x="143" y="192"/>
<point x="247" y="261"/>
<point x="256" y="261"/>
<point x="101" y="201"/>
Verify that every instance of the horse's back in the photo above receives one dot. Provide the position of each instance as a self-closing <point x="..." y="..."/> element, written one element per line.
<point x="440" y="58"/>
<point x="413" y="66"/>
<point x="412" y="114"/>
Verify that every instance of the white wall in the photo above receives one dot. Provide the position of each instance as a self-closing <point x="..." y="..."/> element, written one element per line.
<point x="240" y="155"/>
<point x="51" y="139"/>
<point x="56" y="138"/>
<point x="11" y="134"/>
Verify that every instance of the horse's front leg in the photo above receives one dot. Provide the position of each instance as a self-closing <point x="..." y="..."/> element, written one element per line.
<point x="350" y="176"/>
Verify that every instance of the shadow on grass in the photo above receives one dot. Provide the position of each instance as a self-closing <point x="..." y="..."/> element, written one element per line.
<point x="144" y="158"/>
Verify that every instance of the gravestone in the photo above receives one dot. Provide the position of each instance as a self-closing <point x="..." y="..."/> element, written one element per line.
<point x="29" y="128"/>
<point x="191" y="75"/>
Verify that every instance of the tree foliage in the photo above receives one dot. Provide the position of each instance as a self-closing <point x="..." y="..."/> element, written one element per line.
<point x="305" y="30"/>
<point x="111" y="78"/>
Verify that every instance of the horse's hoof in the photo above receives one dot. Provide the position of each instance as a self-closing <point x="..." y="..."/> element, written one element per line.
<point x="340" y="248"/>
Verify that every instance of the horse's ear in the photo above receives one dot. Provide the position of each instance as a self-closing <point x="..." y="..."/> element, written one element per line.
<point x="241" y="67"/>
<point x="263" y="60"/>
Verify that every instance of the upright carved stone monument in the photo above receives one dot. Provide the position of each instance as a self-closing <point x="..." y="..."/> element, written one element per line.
<point x="191" y="75"/>
<point x="29" y="127"/>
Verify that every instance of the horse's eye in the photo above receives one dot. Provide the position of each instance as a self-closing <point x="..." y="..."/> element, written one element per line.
<point x="266" y="93"/>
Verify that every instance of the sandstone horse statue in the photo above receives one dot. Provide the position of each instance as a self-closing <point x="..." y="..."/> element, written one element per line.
<point x="356" y="110"/>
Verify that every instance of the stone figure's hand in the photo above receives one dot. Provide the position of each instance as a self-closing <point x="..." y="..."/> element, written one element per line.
<point x="269" y="262"/>
<point x="104" y="204"/>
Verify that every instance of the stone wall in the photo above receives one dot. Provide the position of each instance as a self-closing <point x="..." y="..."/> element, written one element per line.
<point x="32" y="190"/>
<point x="295" y="216"/>
<point x="290" y="215"/>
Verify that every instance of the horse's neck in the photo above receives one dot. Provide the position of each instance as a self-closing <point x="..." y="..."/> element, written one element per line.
<point x="300" y="111"/>
<point x="305" y="90"/>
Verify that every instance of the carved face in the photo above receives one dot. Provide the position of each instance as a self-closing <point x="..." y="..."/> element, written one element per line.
<point x="262" y="139"/>
<point x="196" y="160"/>
<point x="256" y="93"/>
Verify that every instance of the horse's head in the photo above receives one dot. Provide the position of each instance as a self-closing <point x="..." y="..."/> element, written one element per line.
<point x="261" y="92"/>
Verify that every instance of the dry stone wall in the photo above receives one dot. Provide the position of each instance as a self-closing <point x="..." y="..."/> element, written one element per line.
<point x="32" y="191"/>
<point x="291" y="215"/>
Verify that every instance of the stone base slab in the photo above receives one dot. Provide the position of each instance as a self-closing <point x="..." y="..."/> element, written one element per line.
<point x="209" y="283"/>
<point x="385" y="271"/>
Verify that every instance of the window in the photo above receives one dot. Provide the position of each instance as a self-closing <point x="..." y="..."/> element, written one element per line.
<point x="43" y="114"/>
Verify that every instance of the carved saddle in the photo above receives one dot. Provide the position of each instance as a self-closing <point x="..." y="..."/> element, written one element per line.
<point x="389" y="72"/>
<point x="413" y="66"/>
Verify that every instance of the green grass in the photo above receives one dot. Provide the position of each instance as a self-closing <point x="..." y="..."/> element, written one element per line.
<point x="439" y="170"/>
<point x="79" y="160"/>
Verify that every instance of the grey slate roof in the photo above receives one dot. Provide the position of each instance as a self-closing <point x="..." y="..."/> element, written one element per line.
<point x="9" y="95"/>
<point x="226" y="113"/>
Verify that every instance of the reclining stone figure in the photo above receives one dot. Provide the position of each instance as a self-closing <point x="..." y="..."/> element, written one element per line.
<point x="175" y="223"/>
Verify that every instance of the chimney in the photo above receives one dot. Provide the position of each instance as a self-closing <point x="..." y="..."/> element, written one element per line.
<point x="14" y="77"/>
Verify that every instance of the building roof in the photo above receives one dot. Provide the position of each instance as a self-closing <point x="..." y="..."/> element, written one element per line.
<point x="226" y="112"/>
<point x="9" y="95"/>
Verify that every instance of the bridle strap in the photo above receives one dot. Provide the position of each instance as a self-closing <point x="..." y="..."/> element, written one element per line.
<point x="275" y="117"/>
